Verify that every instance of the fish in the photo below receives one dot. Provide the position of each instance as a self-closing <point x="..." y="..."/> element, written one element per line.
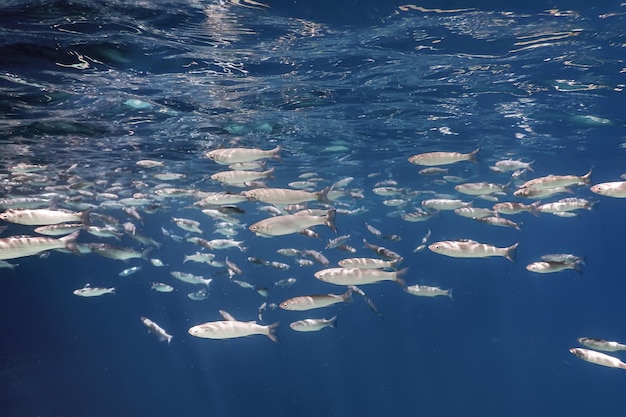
<point x="554" y="181"/>
<point x="187" y="224"/>
<point x="285" y="196"/>
<point x="317" y="256"/>
<point x="88" y="291"/>
<point x="156" y="329"/>
<point x="21" y="246"/>
<point x="565" y="205"/>
<point x="444" y="204"/>
<point x="130" y="271"/>
<point x="513" y="165"/>
<point x="198" y="295"/>
<point x="292" y="223"/>
<point x="359" y="276"/>
<point x="60" y="229"/>
<point x="472" y="249"/>
<point x="313" y="325"/>
<point x="474" y="212"/>
<point x="43" y="217"/>
<point x="384" y="252"/>
<point x="546" y="267"/>
<point x="541" y="192"/>
<point x="148" y="163"/>
<point x="600" y="344"/>
<point x="515" y="208"/>
<point x="598" y="358"/>
<point x="117" y="252"/>
<point x="310" y="302"/>
<point x="237" y="155"/>
<point x="499" y="221"/>
<point x="443" y="158"/>
<point x="230" y="328"/>
<point x="161" y="287"/>
<point x="368" y="263"/>
<point x="190" y="278"/>
<point x="287" y="282"/>
<point x="427" y="291"/>
<point x="480" y="188"/>
<point x="563" y="257"/>
<point x="241" y="177"/>
<point x="616" y="189"/>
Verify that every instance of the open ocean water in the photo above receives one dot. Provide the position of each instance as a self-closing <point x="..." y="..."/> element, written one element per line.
<point x="348" y="89"/>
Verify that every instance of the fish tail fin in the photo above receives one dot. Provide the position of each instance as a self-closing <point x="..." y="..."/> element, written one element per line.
<point x="450" y="293"/>
<point x="534" y="208"/>
<point x="510" y="252"/>
<point x="323" y="195"/>
<point x="587" y="177"/>
<point x="169" y="338"/>
<point x="330" y="220"/>
<point x="530" y="167"/>
<point x="144" y="254"/>
<point x="269" y="173"/>
<point x="399" y="280"/>
<point x="69" y="242"/>
<point x="347" y="296"/>
<point x="577" y="266"/>
<point x="333" y="322"/>
<point x="394" y="264"/>
<point x="473" y="156"/>
<point x="84" y="217"/>
<point x="276" y="153"/>
<point x="271" y="332"/>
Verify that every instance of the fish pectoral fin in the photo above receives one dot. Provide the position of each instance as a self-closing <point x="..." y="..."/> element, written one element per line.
<point x="227" y="316"/>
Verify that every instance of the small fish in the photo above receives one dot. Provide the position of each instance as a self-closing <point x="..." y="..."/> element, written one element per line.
<point x="148" y="163"/>
<point x="313" y="325"/>
<point x="190" y="278"/>
<point x="129" y="271"/>
<point x="442" y="158"/>
<point x="384" y="252"/>
<point x="187" y="224"/>
<point x="287" y="282"/>
<point x="373" y="230"/>
<point x="156" y="329"/>
<point x="161" y="287"/>
<point x="88" y="291"/>
<point x="513" y="165"/>
<point x="199" y="295"/>
<point x="427" y="291"/>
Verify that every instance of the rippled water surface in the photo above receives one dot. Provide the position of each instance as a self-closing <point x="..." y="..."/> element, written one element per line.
<point x="348" y="90"/>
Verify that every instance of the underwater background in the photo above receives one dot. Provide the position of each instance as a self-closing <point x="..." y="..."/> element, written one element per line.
<point x="348" y="89"/>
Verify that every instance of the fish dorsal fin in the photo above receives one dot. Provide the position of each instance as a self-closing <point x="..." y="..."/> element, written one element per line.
<point x="227" y="316"/>
<point x="467" y="241"/>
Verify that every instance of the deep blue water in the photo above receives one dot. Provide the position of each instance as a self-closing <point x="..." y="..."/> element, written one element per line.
<point x="348" y="89"/>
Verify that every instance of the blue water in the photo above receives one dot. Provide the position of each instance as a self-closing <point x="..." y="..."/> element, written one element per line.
<point x="348" y="89"/>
